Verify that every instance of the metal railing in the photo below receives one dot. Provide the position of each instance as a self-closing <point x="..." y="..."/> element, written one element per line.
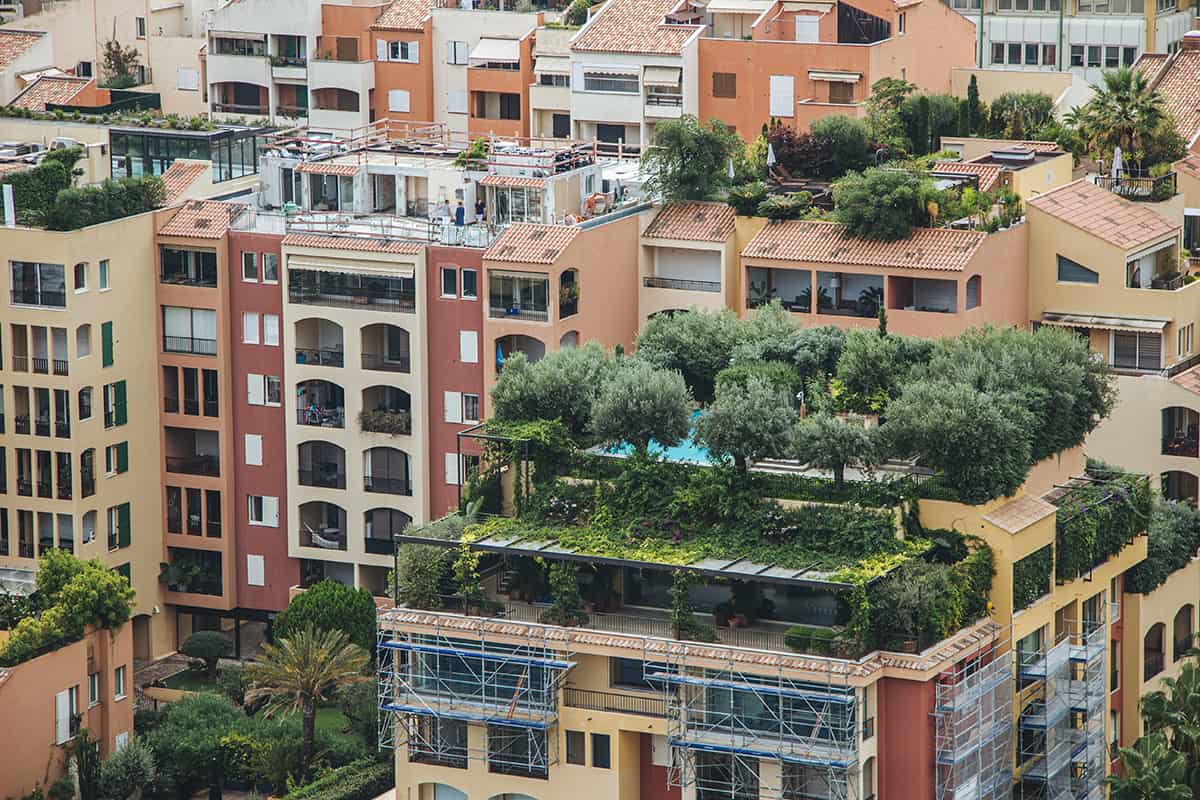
<point x="171" y="405"/>
<point x="378" y="547"/>
<point x="20" y="363"/>
<point x="62" y="429"/>
<point x="318" y="357"/>
<point x="655" y="282"/>
<point x="353" y="298"/>
<point x="592" y="700"/>
<point x="39" y="297"/>
<point x="59" y="366"/>
<point x="182" y="277"/>
<point x="41" y="365"/>
<point x="41" y="427"/>
<point x="1153" y="665"/>
<point x="294" y="112"/>
<point x="189" y="344"/>
<point x="378" y="362"/>
<point x="21" y="423"/>
<point x="24" y="487"/>
<point x="234" y="108"/>
<point x="194" y="465"/>
<point x="1142" y="188"/>
<point x="519" y="312"/>
<point x="45" y="488"/>
<point x="376" y="484"/>
<point x="1180" y="447"/>
<point x="323" y="479"/>
<point x="321" y="417"/>
<point x="665" y="100"/>
<point x="87" y="486"/>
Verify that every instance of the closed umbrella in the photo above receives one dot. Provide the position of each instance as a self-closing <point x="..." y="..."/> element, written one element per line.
<point x="1118" y="163"/>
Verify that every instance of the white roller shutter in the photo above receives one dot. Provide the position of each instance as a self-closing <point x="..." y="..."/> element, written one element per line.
<point x="783" y="96"/>
<point x="381" y="50"/>
<point x="62" y="717"/>
<point x="255" y="390"/>
<point x="468" y="347"/>
<point x="270" y="511"/>
<point x="255" y="570"/>
<point x="398" y="100"/>
<point x="254" y="450"/>
<point x="452" y="469"/>
<point x="453" y="406"/>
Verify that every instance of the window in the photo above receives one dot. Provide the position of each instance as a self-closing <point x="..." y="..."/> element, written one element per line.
<point x="841" y="92"/>
<point x="63" y="712"/>
<point x="104" y="275"/>
<point x="84" y="69"/>
<point x="1049" y="55"/>
<point x="119" y="534"/>
<point x="271" y="330"/>
<point x="120" y="740"/>
<point x="457" y="52"/>
<point x="553" y="79"/>
<point x="449" y="282"/>
<point x="997" y="52"/>
<point x="1076" y="55"/>
<point x="85" y="403"/>
<point x="254" y="450"/>
<point x="83" y="341"/>
<point x="36" y="284"/>
<point x="399" y="100"/>
<point x="724" y="84"/>
<point x="902" y="23"/>
<point x="119" y="683"/>
<point x="407" y="52"/>
<point x="263" y="511"/>
<point x="141" y="27"/>
<point x="452" y="475"/>
<point x="1031" y="55"/>
<point x="560" y="126"/>
<point x="1073" y="272"/>
<point x="470" y="284"/>
<point x="470" y="408"/>
<point x="88" y="529"/>
<point x="510" y="106"/>
<point x="189" y="330"/>
<point x="250" y="267"/>
<point x="1137" y="350"/>
<point x="1093" y="55"/>
<point x="575" y="748"/>
<point x="250" y="327"/>
<point x="1128" y="56"/>
<point x="187" y="79"/>
<point x="468" y="347"/>
<point x="456" y="102"/>
<point x="1112" y="57"/>
<point x="605" y="82"/>
<point x="1184" y="339"/>
<point x="116" y="410"/>
<point x="80" y="277"/>
<point x="782" y="96"/>
<point x="255" y="570"/>
<point x="116" y="458"/>
<point x="601" y="751"/>
<point x="452" y="406"/>
<point x="1014" y="53"/>
<point x="270" y="267"/>
<point x="93" y="688"/>
<point x="263" y="390"/>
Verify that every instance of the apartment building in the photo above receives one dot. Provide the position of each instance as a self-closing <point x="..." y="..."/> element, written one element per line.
<point x="1176" y="76"/>
<point x="21" y="52"/>
<point x="689" y="258"/>
<point x="1083" y="37"/>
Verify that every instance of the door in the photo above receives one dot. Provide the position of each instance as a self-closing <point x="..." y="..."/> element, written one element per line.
<point x="561" y="126"/>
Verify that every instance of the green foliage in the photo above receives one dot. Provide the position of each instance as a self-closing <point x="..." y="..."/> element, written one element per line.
<point x="361" y="780"/>
<point x="562" y="385"/>
<point x="62" y="789"/>
<point x="424" y="569"/>
<point x="792" y="205"/>
<point x="34" y="189"/>
<point x="113" y="199"/>
<point x="778" y="374"/>
<point x="1030" y="110"/>
<point x="127" y="771"/>
<point x="811" y="639"/>
<point x="883" y="111"/>
<point x="683" y="617"/>
<point x="233" y="683"/>
<point x="85" y="757"/>
<point x="1125" y="112"/>
<point x="577" y="12"/>
<point x="975" y="108"/>
<point x="926" y="118"/>
<point x="546" y="443"/>
<point x="187" y="741"/>
<point x="384" y="421"/>
<point x="360" y="703"/>
<point x="1031" y="577"/>
<point x="748" y="421"/>
<point x="642" y="403"/>
<point x="475" y="156"/>
<point x="698" y="344"/>
<point x="873" y="367"/>
<point x="745" y="198"/>
<point x="1174" y="540"/>
<point x="1151" y="770"/>
<point x="119" y="61"/>
<point x="689" y="160"/>
<point x="881" y="205"/>
<point x="567" y="607"/>
<point x="850" y="143"/>
<point x="1097" y="520"/>
<point x="210" y="647"/>
<point x="826" y="442"/>
<point x="329" y="605"/>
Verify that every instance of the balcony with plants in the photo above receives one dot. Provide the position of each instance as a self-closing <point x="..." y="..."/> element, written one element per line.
<point x="386" y="409"/>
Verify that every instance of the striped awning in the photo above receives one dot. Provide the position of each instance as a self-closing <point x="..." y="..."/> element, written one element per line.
<point x="1106" y="322"/>
<point x="553" y="65"/>
<point x="662" y="76"/>
<point x="327" y="168"/>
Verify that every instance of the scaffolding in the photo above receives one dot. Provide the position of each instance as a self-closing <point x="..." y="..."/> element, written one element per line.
<point x="1087" y="695"/>
<point x="433" y="686"/>
<point x="725" y="725"/>
<point x="973" y="726"/>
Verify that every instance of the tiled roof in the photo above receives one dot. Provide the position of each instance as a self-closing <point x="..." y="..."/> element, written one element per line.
<point x="697" y="222"/>
<point x="1150" y="64"/>
<point x="9" y="167"/>
<point x="513" y="182"/>
<point x="827" y="243"/>
<point x="633" y="26"/>
<point x="989" y="174"/>
<point x="359" y="244"/>
<point x="1179" y="83"/>
<point x="180" y="175"/>
<point x="404" y="15"/>
<point x="1017" y="515"/>
<point x="14" y="43"/>
<point x="1189" y="165"/>
<point x="45" y="90"/>
<point x="328" y="168"/>
<point x="1103" y="214"/>
<point x="1189" y="379"/>
<point x="202" y="219"/>
<point x="528" y="243"/>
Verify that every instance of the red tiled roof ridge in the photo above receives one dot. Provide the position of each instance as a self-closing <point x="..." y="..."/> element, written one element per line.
<point x="821" y="241"/>
<point x="1103" y="214"/>
<point x="696" y="220"/>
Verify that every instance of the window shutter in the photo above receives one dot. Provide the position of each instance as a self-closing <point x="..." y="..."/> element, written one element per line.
<point x="122" y="457"/>
<point x="120" y="412"/>
<point x="453" y="406"/>
<point x="468" y="347"/>
<point x="62" y="717"/>
<point x="399" y="100"/>
<point x="783" y="97"/>
<point x="414" y="52"/>
<point x="106" y="344"/>
<point x="270" y="511"/>
<point x="450" y="53"/>
<point x="123" y="532"/>
<point x="255" y="393"/>
<point x="271" y="329"/>
<point x="381" y="50"/>
<point x="452" y="469"/>
<point x="253" y="450"/>
<point x="255" y="570"/>
<point x="250" y="327"/>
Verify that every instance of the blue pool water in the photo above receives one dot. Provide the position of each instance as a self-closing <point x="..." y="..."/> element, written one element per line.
<point x="686" y="452"/>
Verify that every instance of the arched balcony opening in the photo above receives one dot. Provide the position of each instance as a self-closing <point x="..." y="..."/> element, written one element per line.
<point x="568" y="293"/>
<point x="1180" y="431"/>
<point x="386" y="409"/>
<point x="319" y="342"/>
<point x="508" y="346"/>
<point x="323" y="465"/>
<point x="386" y="470"/>
<point x="380" y="525"/>
<point x="1183" y="631"/>
<point x="320" y="404"/>
<point x="1180" y="486"/>
<point x="386" y="348"/>
<point x="322" y="525"/>
<point x="1152" y="651"/>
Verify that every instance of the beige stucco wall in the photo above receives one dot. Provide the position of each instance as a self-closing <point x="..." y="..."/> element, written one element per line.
<point x="1132" y="434"/>
<point x="79" y="28"/>
<point x="167" y="56"/>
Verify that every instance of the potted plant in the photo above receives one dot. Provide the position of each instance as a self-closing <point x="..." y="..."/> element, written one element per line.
<point x="723" y="614"/>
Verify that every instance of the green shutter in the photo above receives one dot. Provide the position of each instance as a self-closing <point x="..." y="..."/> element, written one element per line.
<point x="125" y="572"/>
<point x="123" y="457"/>
<point x="106" y="344"/>
<point x="123" y="525"/>
<point x="120" y="413"/>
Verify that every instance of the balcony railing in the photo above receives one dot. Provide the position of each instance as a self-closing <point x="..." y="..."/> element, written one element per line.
<point x="64" y="489"/>
<point x="1153" y="665"/>
<point x="323" y="358"/>
<point x="41" y="427"/>
<point x="21" y="423"/>
<point x="384" y="485"/>
<point x="171" y="405"/>
<point x="24" y="487"/>
<point x="321" y="417"/>
<point x="20" y="363"/>
<point x="41" y="365"/>
<point x="294" y="112"/>
<point x="324" y="538"/>
<point x="45" y="488"/>
<point x="194" y="465"/>
<point x="644" y="705"/>
<point x="665" y="100"/>
<point x="203" y="278"/>
<point x="323" y="478"/>
<point x="62" y="430"/>
<point x="378" y="362"/>
<point x="25" y="549"/>
<point x="655" y="282"/>
<point x="59" y="366"/>
<point x="1143" y="188"/>
<point x="353" y="298"/>
<point x="377" y="546"/>
<point x="532" y="313"/>
<point x="87" y="485"/>
<point x="1187" y="446"/>
<point x="39" y="297"/>
<point x="189" y="344"/>
<point x="234" y="108"/>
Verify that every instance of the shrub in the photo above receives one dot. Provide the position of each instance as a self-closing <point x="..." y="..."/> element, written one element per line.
<point x="233" y="683"/>
<point x="577" y="12"/>
<point x="360" y="780"/>
<point x="208" y="646"/>
<point x="745" y="197"/>
<point x="187" y="741"/>
<point x="383" y="421"/>
<point x="1031" y="577"/>
<point x="689" y="159"/>
<point x="127" y="771"/>
<point x="34" y="189"/>
<point x="1096" y="521"/>
<point x="792" y="205"/>
<point x="329" y="605"/>
<point x="423" y="571"/>
<point x="562" y="385"/>
<point x="113" y="199"/>
<point x="360" y="703"/>
<point x="811" y="639"/>
<point x="698" y="344"/>
<point x="883" y="205"/>
<point x="567" y="607"/>
<point x="1174" y="540"/>
<point x="778" y="374"/>
<point x="849" y="140"/>
<point x="748" y="421"/>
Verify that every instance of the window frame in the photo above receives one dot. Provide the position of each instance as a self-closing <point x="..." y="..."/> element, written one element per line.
<point x="249" y="266"/>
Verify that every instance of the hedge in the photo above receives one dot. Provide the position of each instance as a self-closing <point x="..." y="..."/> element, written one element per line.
<point x="1097" y="521"/>
<point x="365" y="779"/>
<point x="1174" y="540"/>
<point x="1031" y="577"/>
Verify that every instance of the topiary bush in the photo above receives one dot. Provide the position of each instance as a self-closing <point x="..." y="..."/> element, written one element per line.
<point x="208" y="646"/>
<point x="330" y="605"/>
<point x="127" y="771"/>
<point x="361" y="780"/>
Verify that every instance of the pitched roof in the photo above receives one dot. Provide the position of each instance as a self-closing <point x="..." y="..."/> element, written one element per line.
<point x="1150" y="64"/>
<point x="202" y="219"/>
<point x="9" y="167"/>
<point x="529" y="243"/>
<point x="1189" y="379"/>
<point x="989" y="174"/>
<point x="46" y="89"/>
<point x="14" y="43"/>
<point x="827" y="243"/>
<point x="328" y="168"/>
<point x="1189" y="165"/>
<point x="1103" y="214"/>
<point x="359" y="244"/>
<point x="404" y="15"/>
<point x="697" y="222"/>
<point x="513" y="181"/>
<point x="180" y="175"/>
<point x="633" y="26"/>
<point x="1178" y="81"/>
<point x="1017" y="515"/>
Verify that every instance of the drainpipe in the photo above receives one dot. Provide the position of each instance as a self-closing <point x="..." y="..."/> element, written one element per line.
<point x="979" y="46"/>
<point x="1061" y="44"/>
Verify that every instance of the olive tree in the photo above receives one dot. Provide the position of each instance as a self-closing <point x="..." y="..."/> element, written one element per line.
<point x="561" y="385"/>
<point x="749" y="420"/>
<point x="825" y="441"/>
<point x="641" y="403"/>
<point x="208" y="646"/>
<point x="698" y="344"/>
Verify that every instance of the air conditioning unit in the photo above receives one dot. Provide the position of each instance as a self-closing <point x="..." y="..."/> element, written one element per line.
<point x="63" y="142"/>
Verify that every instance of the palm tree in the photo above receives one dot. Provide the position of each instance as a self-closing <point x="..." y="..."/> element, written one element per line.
<point x="1173" y="713"/>
<point x="1125" y="112"/>
<point x="298" y="673"/>
<point x="1150" y="771"/>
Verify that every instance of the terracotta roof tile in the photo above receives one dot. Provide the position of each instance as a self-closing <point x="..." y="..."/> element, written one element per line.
<point x="1188" y="379"/>
<point x="14" y="43"/>
<point x="513" y="182"/>
<point x="633" y="26"/>
<point x="1017" y="515"/>
<point x="1179" y="83"/>
<point x="328" y="168"/>
<point x="202" y="219"/>
<point x="1151" y="64"/>
<point x="58" y="90"/>
<point x="180" y="175"/>
<point x="698" y="222"/>
<point x="1105" y="215"/>
<point x="529" y="243"/>
<point x="989" y="174"/>
<point x="827" y="243"/>
<point x="1189" y="165"/>
<point x="404" y="15"/>
<point x="9" y="167"/>
<point x="359" y="244"/>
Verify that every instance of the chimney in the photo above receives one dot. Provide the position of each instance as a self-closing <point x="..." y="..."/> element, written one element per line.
<point x="1190" y="41"/>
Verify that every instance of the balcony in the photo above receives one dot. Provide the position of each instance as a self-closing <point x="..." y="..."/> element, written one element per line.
<point x="664" y="105"/>
<point x="614" y="702"/>
<point x="45" y="298"/>
<point x="534" y="312"/>
<point x="41" y="426"/>
<point x="849" y="295"/>
<point x="320" y="404"/>
<point x="341" y="290"/>
<point x="513" y="295"/>
<point x="62" y="429"/>
<point x="192" y="452"/>
<point x="386" y="484"/>
<point x="21" y="423"/>
<point x="322" y="465"/>
<point x="320" y="358"/>
<point x="319" y="343"/>
<point x="322" y="525"/>
<point x="385" y="348"/>
<point x="654" y="282"/>
<point x="188" y="267"/>
<point x="189" y="344"/>
<point x="292" y="112"/>
<point x="20" y="363"/>
<point x="194" y="465"/>
<point x="386" y="409"/>
<point x="240" y="109"/>
<point x="1140" y="188"/>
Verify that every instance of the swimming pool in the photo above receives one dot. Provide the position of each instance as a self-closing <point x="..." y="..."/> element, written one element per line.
<point x="687" y="451"/>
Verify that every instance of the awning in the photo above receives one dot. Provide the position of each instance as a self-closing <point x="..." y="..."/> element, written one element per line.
<point x="1105" y="322"/>
<point x="327" y="168"/>
<point x="253" y="37"/>
<point x="738" y="6"/>
<point x="820" y="8"/>
<point x="839" y="77"/>
<point x="616" y="69"/>
<point x="662" y="76"/>
<point x="513" y="182"/>
<point x="496" y="50"/>
<point x="1154" y="248"/>
<point x="553" y="65"/>
<point x="343" y="266"/>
